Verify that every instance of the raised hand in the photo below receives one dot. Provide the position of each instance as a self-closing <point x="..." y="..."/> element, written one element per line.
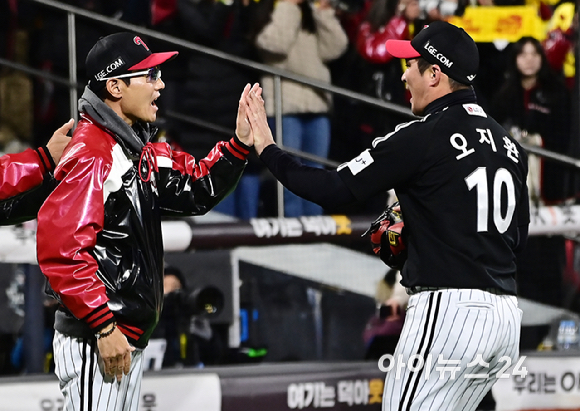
<point x="243" y="130"/>
<point x="256" y="115"/>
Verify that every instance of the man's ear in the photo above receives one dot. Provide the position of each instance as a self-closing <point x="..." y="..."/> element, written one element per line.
<point x="114" y="87"/>
<point x="435" y="75"/>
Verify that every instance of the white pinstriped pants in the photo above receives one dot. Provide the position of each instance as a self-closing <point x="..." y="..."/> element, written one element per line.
<point x="457" y="325"/>
<point x="83" y="383"/>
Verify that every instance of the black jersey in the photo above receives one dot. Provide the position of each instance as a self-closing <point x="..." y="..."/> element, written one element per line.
<point x="461" y="182"/>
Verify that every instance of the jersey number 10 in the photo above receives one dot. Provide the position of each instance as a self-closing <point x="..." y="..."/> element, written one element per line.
<point x="502" y="178"/>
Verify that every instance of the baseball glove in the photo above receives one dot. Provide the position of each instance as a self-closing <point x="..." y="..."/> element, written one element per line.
<point x="388" y="237"/>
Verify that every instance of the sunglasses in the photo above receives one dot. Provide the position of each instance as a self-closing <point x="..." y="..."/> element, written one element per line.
<point x="153" y="74"/>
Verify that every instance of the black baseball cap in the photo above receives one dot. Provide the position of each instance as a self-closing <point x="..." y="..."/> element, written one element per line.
<point x="118" y="54"/>
<point x="443" y="44"/>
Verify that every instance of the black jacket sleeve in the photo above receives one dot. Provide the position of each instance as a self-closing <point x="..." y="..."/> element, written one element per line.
<point x="323" y="187"/>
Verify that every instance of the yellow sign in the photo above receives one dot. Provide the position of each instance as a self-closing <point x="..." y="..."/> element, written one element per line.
<point x="510" y="23"/>
<point x="376" y="387"/>
<point x="342" y="224"/>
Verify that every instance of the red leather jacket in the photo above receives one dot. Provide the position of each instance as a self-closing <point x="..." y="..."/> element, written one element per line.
<point x="23" y="171"/>
<point x="25" y="181"/>
<point x="99" y="232"/>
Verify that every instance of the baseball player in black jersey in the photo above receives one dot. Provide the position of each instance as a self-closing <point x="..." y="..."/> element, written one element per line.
<point x="461" y="182"/>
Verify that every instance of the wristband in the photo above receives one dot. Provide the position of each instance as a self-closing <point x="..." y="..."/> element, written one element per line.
<point x="106" y="333"/>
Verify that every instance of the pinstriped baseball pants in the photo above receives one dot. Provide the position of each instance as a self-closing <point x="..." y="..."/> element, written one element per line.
<point x="83" y="383"/>
<point x="444" y="333"/>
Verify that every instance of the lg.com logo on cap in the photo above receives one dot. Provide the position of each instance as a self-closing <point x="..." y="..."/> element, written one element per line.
<point x="109" y="69"/>
<point x="433" y="51"/>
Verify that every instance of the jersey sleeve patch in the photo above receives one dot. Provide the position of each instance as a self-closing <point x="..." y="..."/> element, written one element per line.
<point x="474" y="110"/>
<point x="358" y="164"/>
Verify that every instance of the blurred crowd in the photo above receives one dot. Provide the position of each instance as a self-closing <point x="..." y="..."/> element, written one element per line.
<point x="529" y="86"/>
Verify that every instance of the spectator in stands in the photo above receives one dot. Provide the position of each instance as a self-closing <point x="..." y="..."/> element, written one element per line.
<point x="301" y="37"/>
<point x="533" y="104"/>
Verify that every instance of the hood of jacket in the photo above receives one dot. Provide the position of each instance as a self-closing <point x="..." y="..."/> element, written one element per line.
<point x="132" y="139"/>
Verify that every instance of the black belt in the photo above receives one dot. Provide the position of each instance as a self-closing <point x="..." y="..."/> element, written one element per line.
<point x="416" y="290"/>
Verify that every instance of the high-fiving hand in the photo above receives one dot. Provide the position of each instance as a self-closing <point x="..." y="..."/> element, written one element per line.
<point x="243" y="130"/>
<point x="257" y="118"/>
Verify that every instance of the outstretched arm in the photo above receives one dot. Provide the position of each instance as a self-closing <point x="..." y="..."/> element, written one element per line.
<point x="190" y="187"/>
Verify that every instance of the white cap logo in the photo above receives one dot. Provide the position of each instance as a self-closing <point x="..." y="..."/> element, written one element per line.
<point x="109" y="69"/>
<point x="433" y="51"/>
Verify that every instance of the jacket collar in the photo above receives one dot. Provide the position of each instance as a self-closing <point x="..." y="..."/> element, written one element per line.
<point x="132" y="139"/>
<point x="457" y="97"/>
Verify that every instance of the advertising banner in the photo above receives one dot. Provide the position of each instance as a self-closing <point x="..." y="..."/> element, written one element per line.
<point x="509" y="23"/>
<point x="552" y="383"/>
<point x="181" y="392"/>
<point x="184" y="392"/>
<point x="355" y="389"/>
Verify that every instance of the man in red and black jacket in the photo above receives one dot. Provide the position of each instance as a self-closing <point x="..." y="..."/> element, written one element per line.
<point x="99" y="232"/>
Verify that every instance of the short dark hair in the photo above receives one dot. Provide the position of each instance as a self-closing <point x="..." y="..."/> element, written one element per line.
<point x="455" y="85"/>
